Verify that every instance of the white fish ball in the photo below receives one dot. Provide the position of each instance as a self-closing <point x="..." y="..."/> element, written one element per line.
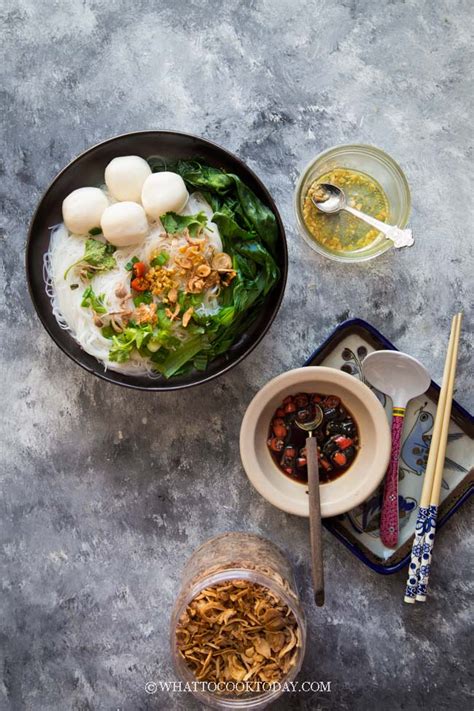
<point x="164" y="192"/>
<point x="124" y="223"/>
<point x="124" y="177"/>
<point x="83" y="208"/>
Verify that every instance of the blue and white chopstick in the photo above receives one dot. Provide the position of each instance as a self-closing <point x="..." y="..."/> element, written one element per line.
<point x="422" y="550"/>
<point x="416" y="553"/>
<point x="426" y="553"/>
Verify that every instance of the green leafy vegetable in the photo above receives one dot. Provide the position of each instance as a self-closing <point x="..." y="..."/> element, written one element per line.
<point x="143" y="297"/>
<point x="228" y="190"/>
<point x="182" y="355"/>
<point x="107" y="331"/>
<point x="230" y="230"/>
<point x="92" y="301"/>
<point x="133" y="337"/>
<point x="200" y="361"/>
<point x="194" y="173"/>
<point x="172" y="222"/>
<point x="259" y="216"/>
<point x="98" y="257"/>
<point x="152" y="342"/>
<point x="255" y="253"/>
<point x="95" y="231"/>
<point x="162" y="337"/>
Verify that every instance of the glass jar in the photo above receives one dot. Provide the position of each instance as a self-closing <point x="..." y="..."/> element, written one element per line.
<point x="373" y="162"/>
<point x="237" y="556"/>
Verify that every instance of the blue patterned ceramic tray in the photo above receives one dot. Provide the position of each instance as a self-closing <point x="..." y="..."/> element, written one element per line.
<point x="346" y="348"/>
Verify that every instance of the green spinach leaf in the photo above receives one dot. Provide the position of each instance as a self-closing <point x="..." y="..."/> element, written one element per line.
<point x="230" y="230"/>
<point x="244" y="204"/>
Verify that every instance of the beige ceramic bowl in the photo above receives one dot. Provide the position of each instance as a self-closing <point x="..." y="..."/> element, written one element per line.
<point x="362" y="477"/>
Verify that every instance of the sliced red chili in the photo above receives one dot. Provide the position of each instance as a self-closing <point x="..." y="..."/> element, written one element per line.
<point x="280" y="430"/>
<point x="344" y="442"/>
<point x="324" y="463"/>
<point x="339" y="458"/>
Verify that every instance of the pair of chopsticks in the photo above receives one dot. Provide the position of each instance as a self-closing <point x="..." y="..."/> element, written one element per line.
<point x="422" y="550"/>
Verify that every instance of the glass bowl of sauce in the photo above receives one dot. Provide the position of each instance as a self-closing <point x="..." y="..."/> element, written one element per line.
<point x="372" y="182"/>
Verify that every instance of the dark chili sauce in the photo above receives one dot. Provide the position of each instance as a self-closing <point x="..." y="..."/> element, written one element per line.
<point x="337" y="436"/>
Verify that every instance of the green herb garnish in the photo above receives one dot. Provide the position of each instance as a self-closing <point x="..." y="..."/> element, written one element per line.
<point x="92" y="301"/>
<point x="107" y="332"/>
<point x="172" y="222"/>
<point x="95" y="231"/>
<point x="98" y="257"/>
<point x="144" y="297"/>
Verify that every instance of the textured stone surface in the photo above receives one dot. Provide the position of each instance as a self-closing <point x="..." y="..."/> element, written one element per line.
<point x="106" y="492"/>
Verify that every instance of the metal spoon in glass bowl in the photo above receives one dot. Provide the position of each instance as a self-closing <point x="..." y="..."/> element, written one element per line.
<point x="331" y="199"/>
<point x="315" y="533"/>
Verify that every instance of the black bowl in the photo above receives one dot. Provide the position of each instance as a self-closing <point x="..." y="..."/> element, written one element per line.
<point x="88" y="169"/>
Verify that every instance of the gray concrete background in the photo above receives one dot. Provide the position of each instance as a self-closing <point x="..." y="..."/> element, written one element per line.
<point x="106" y="492"/>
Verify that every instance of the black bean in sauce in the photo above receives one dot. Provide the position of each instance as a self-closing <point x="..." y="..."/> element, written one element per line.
<point x="337" y="436"/>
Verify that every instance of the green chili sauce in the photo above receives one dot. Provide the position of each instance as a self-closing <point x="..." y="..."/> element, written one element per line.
<point x="343" y="232"/>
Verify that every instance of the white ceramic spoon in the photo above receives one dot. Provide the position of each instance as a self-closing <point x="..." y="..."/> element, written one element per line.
<point x="402" y="378"/>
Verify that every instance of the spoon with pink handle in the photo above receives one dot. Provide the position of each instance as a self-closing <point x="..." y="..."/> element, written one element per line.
<point x="402" y="378"/>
